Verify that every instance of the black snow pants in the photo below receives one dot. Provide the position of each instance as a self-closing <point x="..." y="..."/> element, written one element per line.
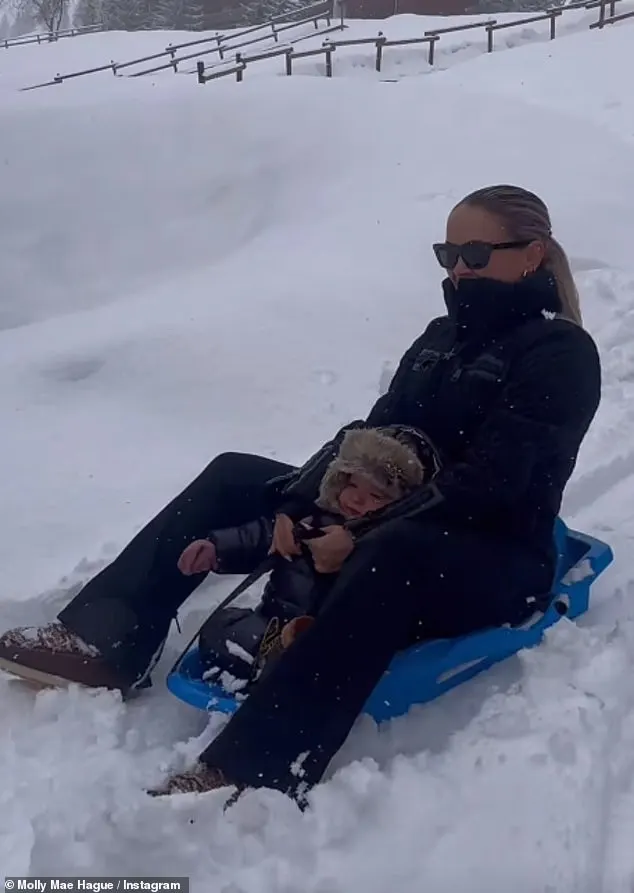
<point x="407" y="580"/>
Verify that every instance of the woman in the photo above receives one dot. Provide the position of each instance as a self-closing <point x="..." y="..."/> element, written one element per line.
<point x="506" y="386"/>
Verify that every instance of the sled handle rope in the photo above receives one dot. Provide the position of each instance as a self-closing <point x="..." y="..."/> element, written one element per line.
<point x="263" y="568"/>
<point x="300" y="534"/>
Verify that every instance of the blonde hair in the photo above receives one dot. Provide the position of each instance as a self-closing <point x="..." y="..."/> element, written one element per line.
<point x="526" y="217"/>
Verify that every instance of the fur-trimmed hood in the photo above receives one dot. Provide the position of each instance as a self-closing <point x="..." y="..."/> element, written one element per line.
<point x="389" y="457"/>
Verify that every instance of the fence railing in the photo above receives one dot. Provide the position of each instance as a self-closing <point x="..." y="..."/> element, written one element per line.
<point x="612" y="17"/>
<point x="552" y="14"/>
<point x="430" y="38"/>
<point x="49" y="36"/>
<point x="239" y="64"/>
<point x="270" y="53"/>
<point x="593" y="4"/>
<point x="309" y="15"/>
<point x="222" y="49"/>
<point x="451" y="29"/>
<point x="326" y="49"/>
<point x="317" y="12"/>
<point x="60" y="78"/>
<point x="323" y="9"/>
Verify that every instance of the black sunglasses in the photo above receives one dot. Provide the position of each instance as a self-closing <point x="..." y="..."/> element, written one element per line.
<point x="476" y="255"/>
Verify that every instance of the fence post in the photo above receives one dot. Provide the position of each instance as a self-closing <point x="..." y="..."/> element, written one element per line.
<point x="289" y="61"/>
<point x="601" y="14"/>
<point x="114" y="67"/>
<point x="612" y="8"/>
<point x="553" y="19"/>
<point x="489" y="38"/>
<point x="432" y="45"/>
<point x="329" y="62"/>
<point x="380" y="40"/>
<point x="240" y="70"/>
<point x="200" y="69"/>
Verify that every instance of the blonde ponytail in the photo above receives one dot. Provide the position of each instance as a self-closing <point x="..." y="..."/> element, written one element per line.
<point x="556" y="260"/>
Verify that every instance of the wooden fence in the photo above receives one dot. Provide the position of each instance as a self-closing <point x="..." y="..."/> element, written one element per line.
<point x="239" y="65"/>
<point x="312" y="14"/>
<point x="223" y="49"/>
<point x="612" y="17"/>
<point x="326" y="50"/>
<point x="218" y="69"/>
<point x="551" y="14"/>
<point x="308" y="15"/>
<point x="49" y="36"/>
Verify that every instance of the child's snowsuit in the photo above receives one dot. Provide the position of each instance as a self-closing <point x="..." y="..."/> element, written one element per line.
<point x="235" y="640"/>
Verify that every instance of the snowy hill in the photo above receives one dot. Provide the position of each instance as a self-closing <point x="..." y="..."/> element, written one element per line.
<point x="191" y="269"/>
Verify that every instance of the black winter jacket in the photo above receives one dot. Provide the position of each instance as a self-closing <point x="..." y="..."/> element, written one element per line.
<point x="232" y="636"/>
<point x="289" y="591"/>
<point x="506" y="389"/>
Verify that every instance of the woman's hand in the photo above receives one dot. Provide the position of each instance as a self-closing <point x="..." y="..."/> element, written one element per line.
<point x="331" y="550"/>
<point x="284" y="543"/>
<point x="198" y="558"/>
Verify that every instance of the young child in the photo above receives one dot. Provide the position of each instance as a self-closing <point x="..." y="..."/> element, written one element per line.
<point x="373" y="468"/>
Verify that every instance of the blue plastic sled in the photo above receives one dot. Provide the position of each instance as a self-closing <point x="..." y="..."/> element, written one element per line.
<point x="428" y="670"/>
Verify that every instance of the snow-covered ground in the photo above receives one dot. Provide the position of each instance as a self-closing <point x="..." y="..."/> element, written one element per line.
<point x="192" y="269"/>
